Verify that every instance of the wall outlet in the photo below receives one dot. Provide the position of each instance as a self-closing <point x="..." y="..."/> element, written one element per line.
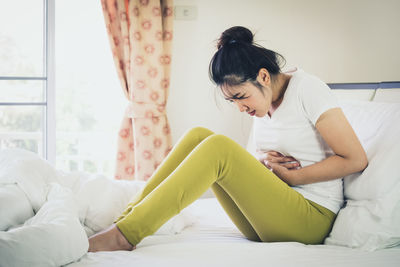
<point x="185" y="12"/>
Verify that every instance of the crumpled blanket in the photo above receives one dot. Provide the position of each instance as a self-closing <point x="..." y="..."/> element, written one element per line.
<point x="47" y="215"/>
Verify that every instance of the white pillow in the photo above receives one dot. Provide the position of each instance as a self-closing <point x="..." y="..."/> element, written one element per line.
<point x="358" y="225"/>
<point x="53" y="237"/>
<point x="387" y="95"/>
<point x="371" y="217"/>
<point x="103" y="200"/>
<point x="359" y="94"/>
<point x="32" y="174"/>
<point x="15" y="207"/>
<point x="378" y="128"/>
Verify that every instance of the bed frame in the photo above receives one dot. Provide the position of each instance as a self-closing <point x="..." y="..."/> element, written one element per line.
<point x="378" y="92"/>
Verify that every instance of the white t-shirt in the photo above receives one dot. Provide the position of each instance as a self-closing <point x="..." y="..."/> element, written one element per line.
<point x="291" y="131"/>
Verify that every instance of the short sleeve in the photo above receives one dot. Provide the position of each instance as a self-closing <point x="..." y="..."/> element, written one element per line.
<point x="316" y="98"/>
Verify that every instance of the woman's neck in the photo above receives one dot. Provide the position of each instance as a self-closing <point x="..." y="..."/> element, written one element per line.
<point x="279" y="89"/>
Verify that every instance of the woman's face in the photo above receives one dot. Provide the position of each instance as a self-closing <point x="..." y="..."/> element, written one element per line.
<point x="249" y="98"/>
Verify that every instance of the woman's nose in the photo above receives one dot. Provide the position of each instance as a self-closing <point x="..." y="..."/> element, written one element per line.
<point x="241" y="107"/>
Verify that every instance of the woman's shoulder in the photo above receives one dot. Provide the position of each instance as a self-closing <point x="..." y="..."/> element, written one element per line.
<point x="313" y="95"/>
<point x="306" y="79"/>
<point x="305" y="84"/>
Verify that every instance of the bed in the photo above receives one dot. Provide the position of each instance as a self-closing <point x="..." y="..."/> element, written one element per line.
<point x="213" y="240"/>
<point x="366" y="232"/>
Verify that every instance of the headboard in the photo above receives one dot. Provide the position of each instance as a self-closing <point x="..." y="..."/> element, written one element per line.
<point x="377" y="92"/>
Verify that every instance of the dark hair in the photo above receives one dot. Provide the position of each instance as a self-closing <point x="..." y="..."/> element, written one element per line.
<point x="239" y="59"/>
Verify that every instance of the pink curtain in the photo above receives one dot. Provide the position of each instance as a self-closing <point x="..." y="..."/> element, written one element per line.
<point x="140" y="34"/>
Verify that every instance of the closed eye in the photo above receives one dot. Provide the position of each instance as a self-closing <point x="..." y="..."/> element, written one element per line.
<point x="236" y="97"/>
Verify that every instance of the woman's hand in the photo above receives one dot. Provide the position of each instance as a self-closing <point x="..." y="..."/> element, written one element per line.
<point x="286" y="175"/>
<point x="281" y="165"/>
<point x="272" y="157"/>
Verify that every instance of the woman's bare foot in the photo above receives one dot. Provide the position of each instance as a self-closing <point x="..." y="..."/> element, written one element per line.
<point x="109" y="239"/>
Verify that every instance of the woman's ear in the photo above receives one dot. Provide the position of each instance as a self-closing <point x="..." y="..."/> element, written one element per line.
<point x="263" y="77"/>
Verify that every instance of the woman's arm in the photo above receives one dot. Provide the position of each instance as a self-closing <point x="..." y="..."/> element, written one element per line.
<point x="349" y="157"/>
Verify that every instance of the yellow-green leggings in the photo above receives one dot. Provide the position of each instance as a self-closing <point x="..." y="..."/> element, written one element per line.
<point x="263" y="207"/>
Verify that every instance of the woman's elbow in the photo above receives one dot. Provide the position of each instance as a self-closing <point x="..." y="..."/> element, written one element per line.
<point x="357" y="162"/>
<point x="362" y="162"/>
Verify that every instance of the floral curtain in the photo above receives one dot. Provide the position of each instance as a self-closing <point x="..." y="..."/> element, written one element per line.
<point x="140" y="34"/>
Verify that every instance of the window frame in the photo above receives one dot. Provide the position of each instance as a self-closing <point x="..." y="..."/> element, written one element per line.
<point x="49" y="114"/>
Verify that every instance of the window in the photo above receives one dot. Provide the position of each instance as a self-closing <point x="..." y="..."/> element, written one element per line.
<point x="60" y="95"/>
<point x="24" y="79"/>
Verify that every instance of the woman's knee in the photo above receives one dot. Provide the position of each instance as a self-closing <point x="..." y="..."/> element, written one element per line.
<point x="199" y="132"/>
<point x="220" y="141"/>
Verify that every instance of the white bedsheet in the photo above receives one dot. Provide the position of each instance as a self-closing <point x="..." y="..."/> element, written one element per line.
<point x="214" y="241"/>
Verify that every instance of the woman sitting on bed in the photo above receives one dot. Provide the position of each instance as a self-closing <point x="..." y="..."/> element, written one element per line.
<point x="291" y="193"/>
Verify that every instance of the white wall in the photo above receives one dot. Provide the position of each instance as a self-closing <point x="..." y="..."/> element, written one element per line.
<point x="338" y="40"/>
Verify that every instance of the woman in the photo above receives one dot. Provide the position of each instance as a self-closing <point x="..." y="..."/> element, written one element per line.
<point x="292" y="193"/>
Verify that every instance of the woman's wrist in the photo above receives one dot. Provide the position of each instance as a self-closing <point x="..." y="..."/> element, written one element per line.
<point x="296" y="177"/>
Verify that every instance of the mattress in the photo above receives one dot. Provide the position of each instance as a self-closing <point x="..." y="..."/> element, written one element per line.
<point x="213" y="240"/>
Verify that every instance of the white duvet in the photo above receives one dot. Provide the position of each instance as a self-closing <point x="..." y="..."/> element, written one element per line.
<point x="46" y="215"/>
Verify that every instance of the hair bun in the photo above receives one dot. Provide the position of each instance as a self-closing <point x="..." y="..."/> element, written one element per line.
<point x="235" y="34"/>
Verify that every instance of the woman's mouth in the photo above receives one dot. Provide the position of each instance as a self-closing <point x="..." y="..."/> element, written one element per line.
<point x="252" y="113"/>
